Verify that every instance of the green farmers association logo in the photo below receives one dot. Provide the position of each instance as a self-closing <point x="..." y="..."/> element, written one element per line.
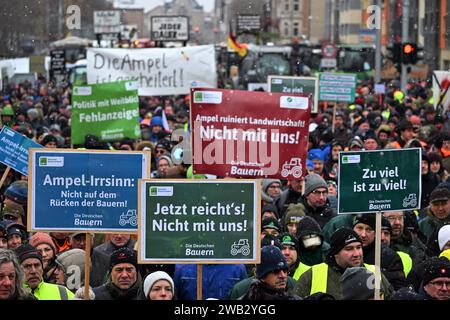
<point x="161" y="191"/>
<point x="198" y="96"/>
<point x="351" y="159"/>
<point x="42" y="161"/>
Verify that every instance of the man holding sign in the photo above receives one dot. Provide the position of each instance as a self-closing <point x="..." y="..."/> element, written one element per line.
<point x="391" y="264"/>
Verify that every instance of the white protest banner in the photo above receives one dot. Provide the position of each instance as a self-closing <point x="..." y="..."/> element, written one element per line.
<point x="158" y="71"/>
<point x="440" y="83"/>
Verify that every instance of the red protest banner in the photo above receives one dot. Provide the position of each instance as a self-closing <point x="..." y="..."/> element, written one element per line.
<point x="249" y="134"/>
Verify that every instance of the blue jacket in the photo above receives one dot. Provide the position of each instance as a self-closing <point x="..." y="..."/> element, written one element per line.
<point x="217" y="279"/>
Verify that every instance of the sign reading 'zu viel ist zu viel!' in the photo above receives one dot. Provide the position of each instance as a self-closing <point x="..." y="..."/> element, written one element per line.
<point x="380" y="180"/>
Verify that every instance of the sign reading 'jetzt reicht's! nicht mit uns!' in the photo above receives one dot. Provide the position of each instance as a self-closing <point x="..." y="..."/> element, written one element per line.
<point x="214" y="221"/>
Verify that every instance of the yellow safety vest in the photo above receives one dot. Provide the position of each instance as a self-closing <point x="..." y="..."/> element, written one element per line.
<point x="320" y="277"/>
<point x="301" y="269"/>
<point x="50" y="291"/>
<point x="406" y="261"/>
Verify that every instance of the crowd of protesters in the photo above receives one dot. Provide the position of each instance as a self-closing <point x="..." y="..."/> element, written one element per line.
<point x="307" y="250"/>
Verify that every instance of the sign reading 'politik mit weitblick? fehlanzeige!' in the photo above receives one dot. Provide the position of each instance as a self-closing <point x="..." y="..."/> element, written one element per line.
<point x="249" y="134"/>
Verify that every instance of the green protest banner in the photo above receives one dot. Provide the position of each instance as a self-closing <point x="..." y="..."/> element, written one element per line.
<point x="108" y="110"/>
<point x="337" y="87"/>
<point x="379" y="180"/>
<point x="204" y="221"/>
<point x="287" y="84"/>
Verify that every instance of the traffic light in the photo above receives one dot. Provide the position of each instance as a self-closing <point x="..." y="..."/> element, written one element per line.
<point x="394" y="53"/>
<point x="409" y="53"/>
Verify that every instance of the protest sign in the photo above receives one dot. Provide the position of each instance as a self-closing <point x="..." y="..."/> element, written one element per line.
<point x="109" y="111"/>
<point x="95" y="191"/>
<point x="295" y="85"/>
<point x="170" y="28"/>
<point x="14" y="149"/>
<point x="158" y="71"/>
<point x="337" y="87"/>
<point x="379" y="180"/>
<point x="199" y="221"/>
<point x="441" y="94"/>
<point x="249" y="134"/>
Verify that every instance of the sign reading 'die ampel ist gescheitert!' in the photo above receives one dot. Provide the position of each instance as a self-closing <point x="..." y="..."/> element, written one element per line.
<point x="108" y="110"/>
<point x="249" y="134"/>
<point x="201" y="221"/>
<point x="158" y="71"/>
<point x="380" y="180"/>
<point x="85" y="190"/>
<point x="14" y="149"/>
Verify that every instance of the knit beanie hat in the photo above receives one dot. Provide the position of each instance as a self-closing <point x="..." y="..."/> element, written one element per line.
<point x="41" y="237"/>
<point x="272" y="259"/>
<point x="18" y="191"/>
<point x="267" y="182"/>
<point x="316" y="154"/>
<point x="444" y="236"/>
<point x="312" y="182"/>
<point x="287" y="239"/>
<point x="436" y="268"/>
<point x="167" y="158"/>
<point x="366" y="218"/>
<point x="123" y="255"/>
<point x="308" y="226"/>
<point x="13" y="209"/>
<point x="357" y="283"/>
<point x="270" y="208"/>
<point x="295" y="212"/>
<point x="271" y="240"/>
<point x="270" y="223"/>
<point x="156" y="276"/>
<point x="340" y="238"/>
<point x="27" y="251"/>
<point x="16" y="228"/>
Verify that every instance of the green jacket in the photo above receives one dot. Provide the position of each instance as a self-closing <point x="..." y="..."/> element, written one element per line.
<point x="409" y="243"/>
<point x="315" y="256"/>
<point x="242" y="287"/>
<point x="342" y="220"/>
<point x="303" y="286"/>
<point x="431" y="223"/>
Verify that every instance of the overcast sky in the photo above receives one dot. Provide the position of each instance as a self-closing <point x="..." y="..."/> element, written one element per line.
<point x="149" y="4"/>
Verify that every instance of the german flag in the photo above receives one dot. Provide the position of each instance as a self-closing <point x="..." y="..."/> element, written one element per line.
<point x="241" y="49"/>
